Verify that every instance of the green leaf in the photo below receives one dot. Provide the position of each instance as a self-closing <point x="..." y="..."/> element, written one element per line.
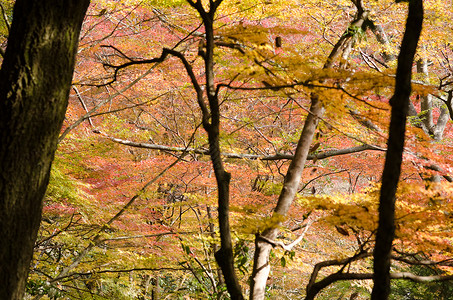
<point x="283" y="261"/>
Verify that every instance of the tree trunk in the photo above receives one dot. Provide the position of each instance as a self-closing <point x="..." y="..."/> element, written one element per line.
<point x="224" y="256"/>
<point x="426" y="104"/>
<point x="35" y="79"/>
<point x="393" y="159"/>
<point x="261" y="267"/>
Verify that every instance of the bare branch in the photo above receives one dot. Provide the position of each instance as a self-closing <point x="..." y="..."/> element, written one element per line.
<point x="313" y="288"/>
<point x="82" y="103"/>
<point x="122" y="271"/>
<point x="277" y="156"/>
<point x="42" y="241"/>
<point x="290" y="246"/>
<point x="118" y="68"/>
<point x="187" y="66"/>
<point x="5" y="17"/>
<point x="94" y="109"/>
<point x="334" y="262"/>
<point x="439" y="169"/>
<point x="420" y="279"/>
<point x="423" y="262"/>
<point x="119" y="238"/>
<point x="318" y="286"/>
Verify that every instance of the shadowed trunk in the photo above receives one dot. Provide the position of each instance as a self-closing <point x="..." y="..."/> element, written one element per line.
<point x="35" y="79"/>
<point x="393" y="159"/>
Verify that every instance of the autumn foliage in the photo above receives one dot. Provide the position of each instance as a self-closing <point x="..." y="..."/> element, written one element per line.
<point x="131" y="210"/>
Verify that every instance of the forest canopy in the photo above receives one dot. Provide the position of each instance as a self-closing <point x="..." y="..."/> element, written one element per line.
<point x="236" y="149"/>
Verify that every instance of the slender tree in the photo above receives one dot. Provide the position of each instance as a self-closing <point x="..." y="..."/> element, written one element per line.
<point x="394" y="155"/>
<point x="265" y="241"/>
<point x="211" y="124"/>
<point x="35" y="79"/>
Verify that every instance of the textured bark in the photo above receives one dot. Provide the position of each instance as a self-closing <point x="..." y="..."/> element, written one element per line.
<point x="261" y="267"/>
<point x="392" y="167"/>
<point x="35" y="79"/>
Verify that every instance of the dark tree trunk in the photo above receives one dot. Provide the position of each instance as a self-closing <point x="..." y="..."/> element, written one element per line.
<point x="224" y="256"/>
<point x="393" y="159"/>
<point x="35" y="79"/>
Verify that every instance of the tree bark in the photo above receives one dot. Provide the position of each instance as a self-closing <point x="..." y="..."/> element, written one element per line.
<point x="425" y="119"/>
<point x="224" y="256"/>
<point x="393" y="160"/>
<point x="35" y="79"/>
<point x="261" y="266"/>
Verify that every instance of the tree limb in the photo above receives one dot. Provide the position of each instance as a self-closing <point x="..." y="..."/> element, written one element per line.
<point x="313" y="287"/>
<point x="5" y="18"/>
<point x="318" y="286"/>
<point x="277" y="156"/>
<point x="439" y="169"/>
<point x="88" y="114"/>
<point x="289" y="246"/>
<point x="76" y="90"/>
<point x="423" y="262"/>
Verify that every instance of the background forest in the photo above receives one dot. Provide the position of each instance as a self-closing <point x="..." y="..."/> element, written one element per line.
<point x="183" y="120"/>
